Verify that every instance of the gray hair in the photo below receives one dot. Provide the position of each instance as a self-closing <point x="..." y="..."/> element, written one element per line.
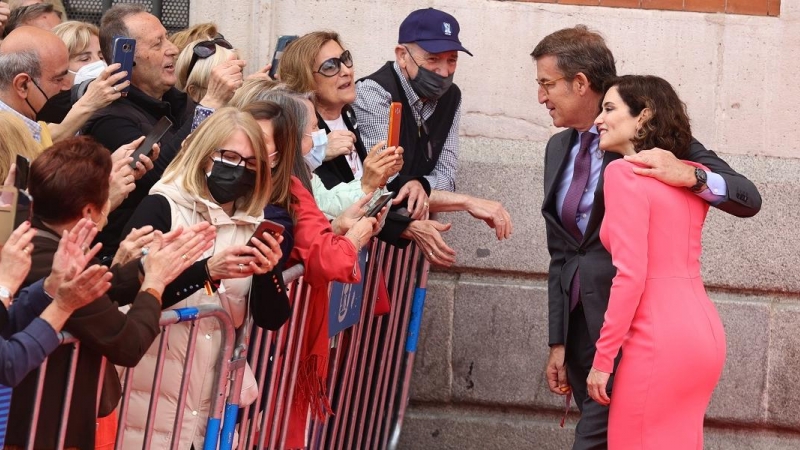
<point x="112" y="24"/>
<point x="21" y="16"/>
<point x="15" y="63"/>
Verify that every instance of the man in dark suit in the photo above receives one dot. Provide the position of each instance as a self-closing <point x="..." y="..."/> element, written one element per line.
<point x="571" y="67"/>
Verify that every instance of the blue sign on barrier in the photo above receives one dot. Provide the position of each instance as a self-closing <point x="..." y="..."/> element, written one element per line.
<point x="346" y="300"/>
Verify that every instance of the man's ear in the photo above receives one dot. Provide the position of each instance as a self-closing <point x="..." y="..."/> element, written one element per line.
<point x="581" y="84"/>
<point x="20" y="85"/>
<point x="399" y="55"/>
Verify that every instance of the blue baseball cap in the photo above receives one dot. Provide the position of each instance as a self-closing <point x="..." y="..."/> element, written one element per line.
<point x="433" y="30"/>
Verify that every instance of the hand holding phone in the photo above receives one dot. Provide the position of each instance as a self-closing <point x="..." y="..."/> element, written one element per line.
<point x="379" y="203"/>
<point x="153" y="137"/>
<point x="283" y="41"/>
<point x="395" y="115"/>
<point x="15" y="208"/>
<point x="21" y="177"/>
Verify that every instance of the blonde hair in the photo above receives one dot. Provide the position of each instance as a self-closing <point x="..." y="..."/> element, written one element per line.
<point x="197" y="149"/>
<point x="297" y="63"/>
<point x="195" y="84"/>
<point x="58" y="6"/>
<point x="76" y="35"/>
<point x="17" y="140"/>
<point x="201" y="31"/>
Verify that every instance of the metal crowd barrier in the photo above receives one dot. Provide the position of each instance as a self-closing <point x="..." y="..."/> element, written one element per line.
<point x="370" y="367"/>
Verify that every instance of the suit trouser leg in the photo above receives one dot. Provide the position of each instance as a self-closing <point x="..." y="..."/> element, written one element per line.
<point x="591" y="433"/>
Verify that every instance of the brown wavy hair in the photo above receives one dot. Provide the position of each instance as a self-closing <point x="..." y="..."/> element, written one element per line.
<point x="667" y="126"/>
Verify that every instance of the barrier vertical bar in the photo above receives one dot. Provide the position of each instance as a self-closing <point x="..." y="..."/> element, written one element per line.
<point x="151" y="410"/>
<point x="123" y="407"/>
<point x="247" y="430"/>
<point x="37" y="401"/>
<point x="295" y="365"/>
<point x="222" y="366"/>
<point x="73" y="366"/>
<point x="177" y="426"/>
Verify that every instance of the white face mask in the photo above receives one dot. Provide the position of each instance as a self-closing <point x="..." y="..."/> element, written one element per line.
<point x="315" y="157"/>
<point x="89" y="71"/>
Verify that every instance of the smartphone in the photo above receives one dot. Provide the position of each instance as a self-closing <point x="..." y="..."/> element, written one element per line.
<point x="378" y="204"/>
<point x="15" y="208"/>
<point x="395" y="114"/>
<point x="153" y="137"/>
<point x="275" y="229"/>
<point x="23" y="168"/>
<point x="283" y="41"/>
<point x="122" y="53"/>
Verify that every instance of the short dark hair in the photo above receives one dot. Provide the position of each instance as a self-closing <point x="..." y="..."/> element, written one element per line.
<point x="21" y="16"/>
<point x="579" y="50"/>
<point x="67" y="177"/>
<point x="668" y="125"/>
<point x="112" y="24"/>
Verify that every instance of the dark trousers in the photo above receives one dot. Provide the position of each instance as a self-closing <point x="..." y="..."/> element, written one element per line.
<point x="591" y="433"/>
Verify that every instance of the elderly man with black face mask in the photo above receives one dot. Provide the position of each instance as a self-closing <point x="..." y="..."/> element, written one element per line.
<point x="421" y="79"/>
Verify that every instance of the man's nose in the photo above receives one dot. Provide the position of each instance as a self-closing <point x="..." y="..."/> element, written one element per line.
<point x="542" y="95"/>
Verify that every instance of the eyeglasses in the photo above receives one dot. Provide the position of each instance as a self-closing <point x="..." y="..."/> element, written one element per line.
<point x="204" y="49"/>
<point x="332" y="66"/>
<point x="546" y="85"/>
<point x="423" y="128"/>
<point x="234" y="159"/>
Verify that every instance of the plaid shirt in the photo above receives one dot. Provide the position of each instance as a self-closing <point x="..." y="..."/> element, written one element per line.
<point x="372" y="111"/>
<point x="33" y="126"/>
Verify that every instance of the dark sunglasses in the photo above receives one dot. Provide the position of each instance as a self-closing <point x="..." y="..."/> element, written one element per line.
<point x="332" y="66"/>
<point x="204" y="49"/>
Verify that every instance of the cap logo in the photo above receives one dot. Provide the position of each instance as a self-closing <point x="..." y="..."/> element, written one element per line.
<point x="446" y="29"/>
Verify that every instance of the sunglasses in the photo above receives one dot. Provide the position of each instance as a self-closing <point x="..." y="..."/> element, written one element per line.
<point x="331" y="67"/>
<point x="204" y="49"/>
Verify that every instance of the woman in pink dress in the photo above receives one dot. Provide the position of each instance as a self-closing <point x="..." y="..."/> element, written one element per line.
<point x="671" y="337"/>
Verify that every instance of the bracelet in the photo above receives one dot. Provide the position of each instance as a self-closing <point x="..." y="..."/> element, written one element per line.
<point x="208" y="272"/>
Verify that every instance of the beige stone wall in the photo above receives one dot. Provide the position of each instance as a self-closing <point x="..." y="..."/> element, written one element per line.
<point x="739" y="78"/>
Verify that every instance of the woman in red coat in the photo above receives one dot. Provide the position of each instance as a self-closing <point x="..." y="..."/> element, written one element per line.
<point x="672" y="339"/>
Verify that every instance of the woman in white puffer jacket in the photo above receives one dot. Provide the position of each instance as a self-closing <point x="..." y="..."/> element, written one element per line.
<point x="221" y="175"/>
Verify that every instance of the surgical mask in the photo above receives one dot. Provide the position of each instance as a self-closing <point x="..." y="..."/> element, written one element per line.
<point x="428" y="84"/>
<point x="35" y="112"/>
<point x="315" y="157"/>
<point x="89" y="71"/>
<point x="227" y="183"/>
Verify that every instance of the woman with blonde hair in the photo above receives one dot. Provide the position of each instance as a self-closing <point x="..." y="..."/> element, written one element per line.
<point x="83" y="43"/>
<point x="195" y="62"/>
<point x="221" y="175"/>
<point x="207" y="30"/>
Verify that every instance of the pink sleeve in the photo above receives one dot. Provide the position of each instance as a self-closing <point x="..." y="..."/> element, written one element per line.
<point x="626" y="221"/>
<point x="326" y="256"/>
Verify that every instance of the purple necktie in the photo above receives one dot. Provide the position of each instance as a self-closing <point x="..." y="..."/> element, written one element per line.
<point x="569" y="210"/>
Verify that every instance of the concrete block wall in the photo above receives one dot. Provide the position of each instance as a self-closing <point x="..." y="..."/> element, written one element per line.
<point x="478" y="380"/>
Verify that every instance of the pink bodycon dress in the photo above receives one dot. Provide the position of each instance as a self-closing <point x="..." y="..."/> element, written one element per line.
<point x="672" y="340"/>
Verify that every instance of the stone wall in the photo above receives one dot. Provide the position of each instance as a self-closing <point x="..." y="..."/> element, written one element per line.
<point x="478" y="381"/>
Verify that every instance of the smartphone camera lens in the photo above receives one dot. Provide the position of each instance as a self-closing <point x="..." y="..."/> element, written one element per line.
<point x="126" y="47"/>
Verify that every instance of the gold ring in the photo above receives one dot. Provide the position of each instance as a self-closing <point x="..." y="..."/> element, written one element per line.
<point x="241" y="268"/>
<point x="114" y="88"/>
<point x="26" y="250"/>
<point x="430" y="253"/>
<point x="426" y="204"/>
<point x="184" y="257"/>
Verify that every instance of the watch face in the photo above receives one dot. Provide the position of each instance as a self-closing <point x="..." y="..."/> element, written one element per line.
<point x="4" y="292"/>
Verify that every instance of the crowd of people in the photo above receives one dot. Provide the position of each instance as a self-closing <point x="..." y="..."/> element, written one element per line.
<point x="111" y="242"/>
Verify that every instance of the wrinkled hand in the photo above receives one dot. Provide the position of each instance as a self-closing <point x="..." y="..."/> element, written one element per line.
<point x="493" y="214"/>
<point x="131" y="247"/>
<point x="121" y="182"/>
<point x="379" y="166"/>
<point x="172" y="253"/>
<point x="664" y="167"/>
<point x="225" y="79"/>
<point x="344" y="221"/>
<point x="556" y="371"/>
<point x="596" y="385"/>
<point x="361" y="231"/>
<point x="104" y="89"/>
<point x="145" y="162"/>
<point x="15" y="257"/>
<point x="82" y="289"/>
<point x="417" y="199"/>
<point x="340" y="142"/>
<point x="73" y="254"/>
<point x="428" y="235"/>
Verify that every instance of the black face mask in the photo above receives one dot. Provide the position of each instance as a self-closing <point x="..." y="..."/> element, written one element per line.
<point x="429" y="84"/>
<point x="227" y="183"/>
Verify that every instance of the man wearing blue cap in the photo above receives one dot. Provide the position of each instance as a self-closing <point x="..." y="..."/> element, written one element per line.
<point x="421" y="79"/>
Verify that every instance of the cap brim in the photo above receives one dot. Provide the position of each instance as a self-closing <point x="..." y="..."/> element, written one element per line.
<point x="441" y="46"/>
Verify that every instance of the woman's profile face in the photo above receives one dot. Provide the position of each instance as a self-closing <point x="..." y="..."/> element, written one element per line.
<point x="338" y="90"/>
<point x="616" y="125"/>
